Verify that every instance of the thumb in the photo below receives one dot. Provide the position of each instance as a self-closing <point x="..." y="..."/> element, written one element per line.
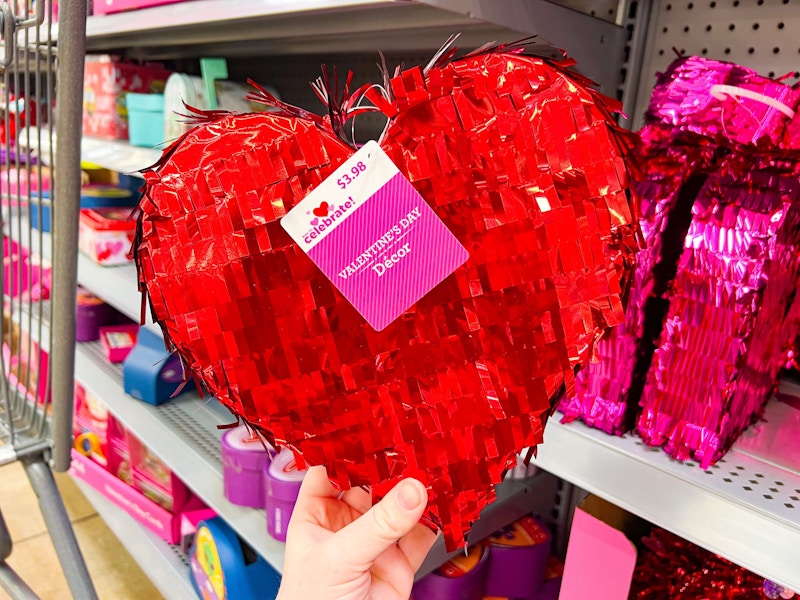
<point x="360" y="543"/>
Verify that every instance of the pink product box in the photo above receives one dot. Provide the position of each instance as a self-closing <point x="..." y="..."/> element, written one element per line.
<point x="106" y="234"/>
<point x="106" y="83"/>
<point x="155" y="480"/>
<point x="107" y="7"/>
<point x="157" y="519"/>
<point x="118" y="341"/>
<point x="27" y="367"/>
<point x="21" y="182"/>
<point x="119" y="455"/>
<point x="26" y="275"/>
<point x="190" y="521"/>
<point x="90" y="426"/>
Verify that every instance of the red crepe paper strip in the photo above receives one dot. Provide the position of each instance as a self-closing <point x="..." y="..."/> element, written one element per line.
<point x="671" y="568"/>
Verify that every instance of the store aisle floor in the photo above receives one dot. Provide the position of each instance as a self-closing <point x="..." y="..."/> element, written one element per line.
<point x="116" y="575"/>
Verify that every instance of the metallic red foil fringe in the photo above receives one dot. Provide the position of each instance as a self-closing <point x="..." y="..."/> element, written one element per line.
<point x="521" y="160"/>
<point x="671" y="568"/>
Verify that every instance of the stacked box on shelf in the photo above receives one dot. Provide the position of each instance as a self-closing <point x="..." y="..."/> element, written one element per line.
<point x="113" y="461"/>
<point x="107" y="82"/>
<point x="106" y="234"/>
<point x="514" y="562"/>
<point x="27" y="278"/>
<point x="107" y="7"/>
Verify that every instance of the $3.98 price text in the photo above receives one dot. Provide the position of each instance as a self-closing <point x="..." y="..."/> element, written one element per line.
<point x="348" y="178"/>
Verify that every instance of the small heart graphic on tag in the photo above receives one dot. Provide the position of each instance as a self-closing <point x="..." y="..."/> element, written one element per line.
<point x="321" y="210"/>
<point x="314" y="221"/>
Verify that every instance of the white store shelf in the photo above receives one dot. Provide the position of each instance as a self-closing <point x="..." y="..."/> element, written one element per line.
<point x="117" y="155"/>
<point x="291" y="27"/>
<point x="183" y="433"/>
<point x="117" y="286"/>
<point x="164" y="564"/>
<point x="742" y="508"/>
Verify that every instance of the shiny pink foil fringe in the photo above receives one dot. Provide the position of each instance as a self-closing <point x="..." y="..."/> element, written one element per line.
<point x="719" y="195"/>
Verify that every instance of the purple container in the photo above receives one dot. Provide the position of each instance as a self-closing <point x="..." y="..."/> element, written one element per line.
<point x="91" y="313"/>
<point x="460" y="578"/>
<point x="282" y="482"/>
<point x="244" y="458"/>
<point x="518" y="559"/>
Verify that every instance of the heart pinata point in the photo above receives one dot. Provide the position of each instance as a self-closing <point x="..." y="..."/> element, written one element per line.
<point x="522" y="161"/>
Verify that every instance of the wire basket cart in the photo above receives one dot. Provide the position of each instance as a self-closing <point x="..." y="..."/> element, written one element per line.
<point x="40" y="59"/>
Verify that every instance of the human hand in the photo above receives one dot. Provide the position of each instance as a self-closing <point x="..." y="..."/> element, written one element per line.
<point x="342" y="548"/>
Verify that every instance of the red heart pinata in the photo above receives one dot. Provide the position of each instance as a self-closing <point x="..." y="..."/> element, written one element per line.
<point x="520" y="158"/>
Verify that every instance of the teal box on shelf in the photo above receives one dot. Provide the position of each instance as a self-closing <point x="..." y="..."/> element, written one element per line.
<point x="224" y="569"/>
<point x="145" y="119"/>
<point x="92" y="196"/>
<point x="151" y="373"/>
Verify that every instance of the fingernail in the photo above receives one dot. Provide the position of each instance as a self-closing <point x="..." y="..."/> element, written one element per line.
<point x="409" y="495"/>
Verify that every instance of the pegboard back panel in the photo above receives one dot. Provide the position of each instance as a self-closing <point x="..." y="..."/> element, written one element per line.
<point x="291" y="76"/>
<point x="608" y="10"/>
<point x="761" y="34"/>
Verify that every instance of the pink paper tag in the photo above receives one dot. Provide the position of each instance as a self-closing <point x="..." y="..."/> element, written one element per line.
<point x="374" y="236"/>
<point x="600" y="561"/>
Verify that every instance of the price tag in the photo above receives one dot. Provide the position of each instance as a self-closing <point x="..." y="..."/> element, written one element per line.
<point x="374" y="236"/>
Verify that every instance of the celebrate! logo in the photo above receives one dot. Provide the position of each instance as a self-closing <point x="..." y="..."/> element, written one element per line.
<point x="326" y="216"/>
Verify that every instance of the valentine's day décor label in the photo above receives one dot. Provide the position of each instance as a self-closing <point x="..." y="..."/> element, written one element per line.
<point x="517" y="157"/>
<point x="374" y="236"/>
